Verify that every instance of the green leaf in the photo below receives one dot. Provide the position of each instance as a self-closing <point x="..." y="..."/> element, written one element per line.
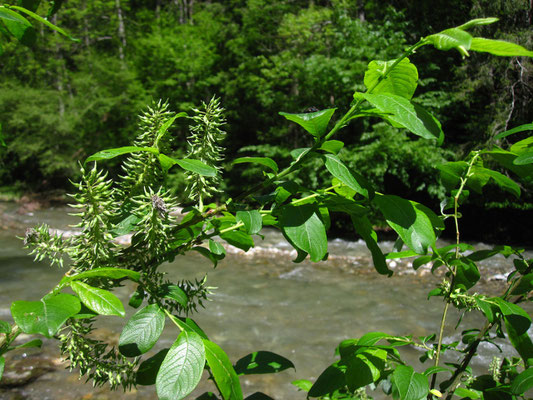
<point x="45" y="22"/>
<point x="126" y="225"/>
<point x="142" y="331"/>
<point x="411" y="223"/>
<point x="348" y="177"/>
<point x="402" y="80"/>
<point x="524" y="286"/>
<point x="216" y="248"/>
<point x="330" y="380"/>
<point x="332" y="146"/>
<point x="137" y="298"/>
<point x="499" y="48"/>
<point x="214" y="258"/>
<point x="239" y="239"/>
<point x="410" y="384"/>
<point x="477" y="22"/>
<point x="111" y="273"/>
<point x="506" y="159"/>
<point x="521" y="128"/>
<point x="267" y="162"/>
<point x="252" y="221"/>
<point x="411" y="116"/>
<point x="360" y="372"/>
<point x="524" y="158"/>
<point x="514" y="315"/>
<point x="469" y="394"/>
<point x="316" y="123"/>
<point x="147" y="372"/>
<point x="30" y="344"/>
<point x="196" y="166"/>
<point x="18" y="26"/>
<point x="100" y="301"/>
<point x="182" y="367"/>
<point x="262" y="362"/>
<point x="364" y="228"/>
<point x="225" y="376"/>
<point x="303" y="226"/>
<point x="467" y="272"/>
<point x="164" y="128"/>
<point x="302" y="384"/>
<point x="5" y="327"/>
<point x="523" y="382"/>
<point x="453" y="38"/>
<point x="336" y="203"/>
<point x="501" y="180"/>
<point x="189" y="325"/>
<point x="371" y="338"/>
<point x="46" y="316"/>
<point x="112" y="153"/>
<point x="174" y="292"/>
<point x="2" y="364"/>
<point x="521" y="342"/>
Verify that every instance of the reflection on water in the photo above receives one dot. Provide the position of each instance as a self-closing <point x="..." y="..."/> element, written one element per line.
<point x="263" y="302"/>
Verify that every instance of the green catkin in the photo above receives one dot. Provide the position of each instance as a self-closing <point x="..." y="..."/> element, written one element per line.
<point x="204" y="145"/>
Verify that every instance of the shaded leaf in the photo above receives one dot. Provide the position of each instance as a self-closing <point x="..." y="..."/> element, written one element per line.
<point x="239" y="239"/>
<point x="142" y="331"/>
<point x="18" y="26"/>
<point x="2" y="364"/>
<point x="364" y="229"/>
<point x="147" y="371"/>
<point x="521" y="128"/>
<point x="262" y="362"/>
<point x="182" y="367"/>
<point x="267" y="162"/>
<point x="303" y="226"/>
<point x="5" y="327"/>
<point x="30" y="344"/>
<point x="330" y="380"/>
<point x="514" y="315"/>
<point x="522" y="382"/>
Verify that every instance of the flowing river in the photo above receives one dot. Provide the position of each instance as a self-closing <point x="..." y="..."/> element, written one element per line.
<point x="263" y="301"/>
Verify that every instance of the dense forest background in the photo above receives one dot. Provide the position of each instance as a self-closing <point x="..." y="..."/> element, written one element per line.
<point x="61" y="101"/>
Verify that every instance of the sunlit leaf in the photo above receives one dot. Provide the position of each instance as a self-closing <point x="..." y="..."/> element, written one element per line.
<point x="410" y="384"/>
<point x="400" y="111"/>
<point x="112" y="153"/>
<point x="453" y="38"/>
<point x="348" y="177"/>
<point x="182" y="367"/>
<point x="316" y="123"/>
<point x="100" y="301"/>
<point x="402" y="80"/>
<point x="46" y="316"/>
<point x="223" y="373"/>
<point x="499" y="48"/>
<point x="522" y="382"/>
<point x="142" y="331"/>
<point x="252" y="221"/>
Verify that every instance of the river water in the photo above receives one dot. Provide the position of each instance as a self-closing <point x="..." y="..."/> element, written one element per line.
<point x="263" y="301"/>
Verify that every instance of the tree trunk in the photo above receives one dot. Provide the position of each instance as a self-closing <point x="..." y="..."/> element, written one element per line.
<point x="121" y="31"/>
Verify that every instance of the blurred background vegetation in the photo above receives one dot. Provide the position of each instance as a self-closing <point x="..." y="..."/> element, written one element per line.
<point x="61" y="101"/>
